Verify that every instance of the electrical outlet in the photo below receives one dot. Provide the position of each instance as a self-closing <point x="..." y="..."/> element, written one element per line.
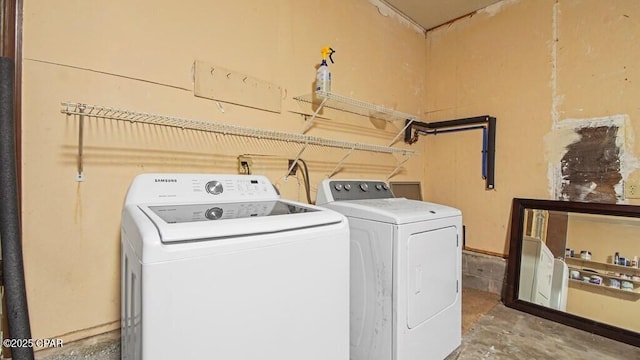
<point x="632" y="190"/>
<point x="245" y="164"/>
<point x="294" y="169"/>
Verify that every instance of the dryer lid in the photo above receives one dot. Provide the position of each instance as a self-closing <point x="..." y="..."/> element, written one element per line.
<point x="211" y="221"/>
<point x="393" y="210"/>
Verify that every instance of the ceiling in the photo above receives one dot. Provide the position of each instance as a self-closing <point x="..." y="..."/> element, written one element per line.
<point x="432" y="13"/>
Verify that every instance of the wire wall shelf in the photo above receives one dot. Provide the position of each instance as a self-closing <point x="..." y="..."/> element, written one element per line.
<point x="338" y="102"/>
<point x="103" y="112"/>
<point x="343" y="103"/>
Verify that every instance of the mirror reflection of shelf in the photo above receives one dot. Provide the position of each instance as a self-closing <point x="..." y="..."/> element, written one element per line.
<point x="616" y="291"/>
<point x="588" y="272"/>
<point x="604" y="270"/>
<point x="601" y="266"/>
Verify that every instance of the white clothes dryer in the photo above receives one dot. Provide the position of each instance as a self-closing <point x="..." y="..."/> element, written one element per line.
<point x="219" y="267"/>
<point x="405" y="272"/>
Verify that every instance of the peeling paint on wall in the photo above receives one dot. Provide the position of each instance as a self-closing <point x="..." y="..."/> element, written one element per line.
<point x="388" y="11"/>
<point x="496" y="8"/>
<point x="589" y="158"/>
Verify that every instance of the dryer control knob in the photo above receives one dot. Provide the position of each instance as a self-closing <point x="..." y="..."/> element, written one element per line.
<point x="214" y="187"/>
<point x="338" y="187"/>
<point x="378" y="187"/>
<point x="384" y="186"/>
<point x="347" y="187"/>
<point x="364" y="186"/>
<point x="213" y="213"/>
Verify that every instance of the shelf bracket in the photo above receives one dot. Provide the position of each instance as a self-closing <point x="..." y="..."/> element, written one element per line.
<point x="309" y="122"/>
<point x="408" y="156"/>
<point x="339" y="165"/>
<point x="80" y="174"/>
<point x="295" y="161"/>
<point x="408" y="123"/>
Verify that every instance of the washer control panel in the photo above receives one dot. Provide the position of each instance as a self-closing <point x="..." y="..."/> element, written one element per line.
<point x="239" y="186"/>
<point x="358" y="190"/>
<point x="187" y="188"/>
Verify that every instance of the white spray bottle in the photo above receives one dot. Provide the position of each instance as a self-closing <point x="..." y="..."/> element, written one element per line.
<point x="323" y="75"/>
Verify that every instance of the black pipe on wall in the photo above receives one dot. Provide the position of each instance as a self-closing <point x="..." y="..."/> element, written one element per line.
<point x="459" y="125"/>
<point x="10" y="232"/>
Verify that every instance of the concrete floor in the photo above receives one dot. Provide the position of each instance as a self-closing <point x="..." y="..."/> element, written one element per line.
<point x="490" y="331"/>
<point x="505" y="334"/>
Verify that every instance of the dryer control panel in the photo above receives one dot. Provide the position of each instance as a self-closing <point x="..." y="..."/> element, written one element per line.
<point x="337" y="190"/>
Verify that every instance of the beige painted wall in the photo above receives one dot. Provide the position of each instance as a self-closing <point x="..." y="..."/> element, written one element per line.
<point x="139" y="56"/>
<point x="603" y="236"/>
<point x="505" y="61"/>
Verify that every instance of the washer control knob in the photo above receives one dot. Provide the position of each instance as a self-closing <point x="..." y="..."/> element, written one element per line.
<point x="347" y="187"/>
<point x="385" y="186"/>
<point x="364" y="186"/>
<point x="213" y="213"/>
<point x="378" y="187"/>
<point x="338" y="187"/>
<point x="214" y="187"/>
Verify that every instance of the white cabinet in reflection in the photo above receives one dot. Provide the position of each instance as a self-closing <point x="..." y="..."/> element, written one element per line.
<point x="536" y="272"/>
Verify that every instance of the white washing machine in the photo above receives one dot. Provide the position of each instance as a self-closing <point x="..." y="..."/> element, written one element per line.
<point x="405" y="272"/>
<point x="219" y="267"/>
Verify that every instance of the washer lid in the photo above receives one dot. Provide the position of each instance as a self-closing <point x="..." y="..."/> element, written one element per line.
<point x="188" y="222"/>
<point x="393" y="210"/>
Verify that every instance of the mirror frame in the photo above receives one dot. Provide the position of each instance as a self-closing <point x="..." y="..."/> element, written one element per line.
<point x="513" y="267"/>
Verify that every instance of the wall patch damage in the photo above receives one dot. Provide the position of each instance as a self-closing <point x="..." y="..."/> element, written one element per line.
<point x="587" y="159"/>
<point x="591" y="166"/>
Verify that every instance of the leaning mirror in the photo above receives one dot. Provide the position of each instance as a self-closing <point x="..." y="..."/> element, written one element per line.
<point x="577" y="263"/>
